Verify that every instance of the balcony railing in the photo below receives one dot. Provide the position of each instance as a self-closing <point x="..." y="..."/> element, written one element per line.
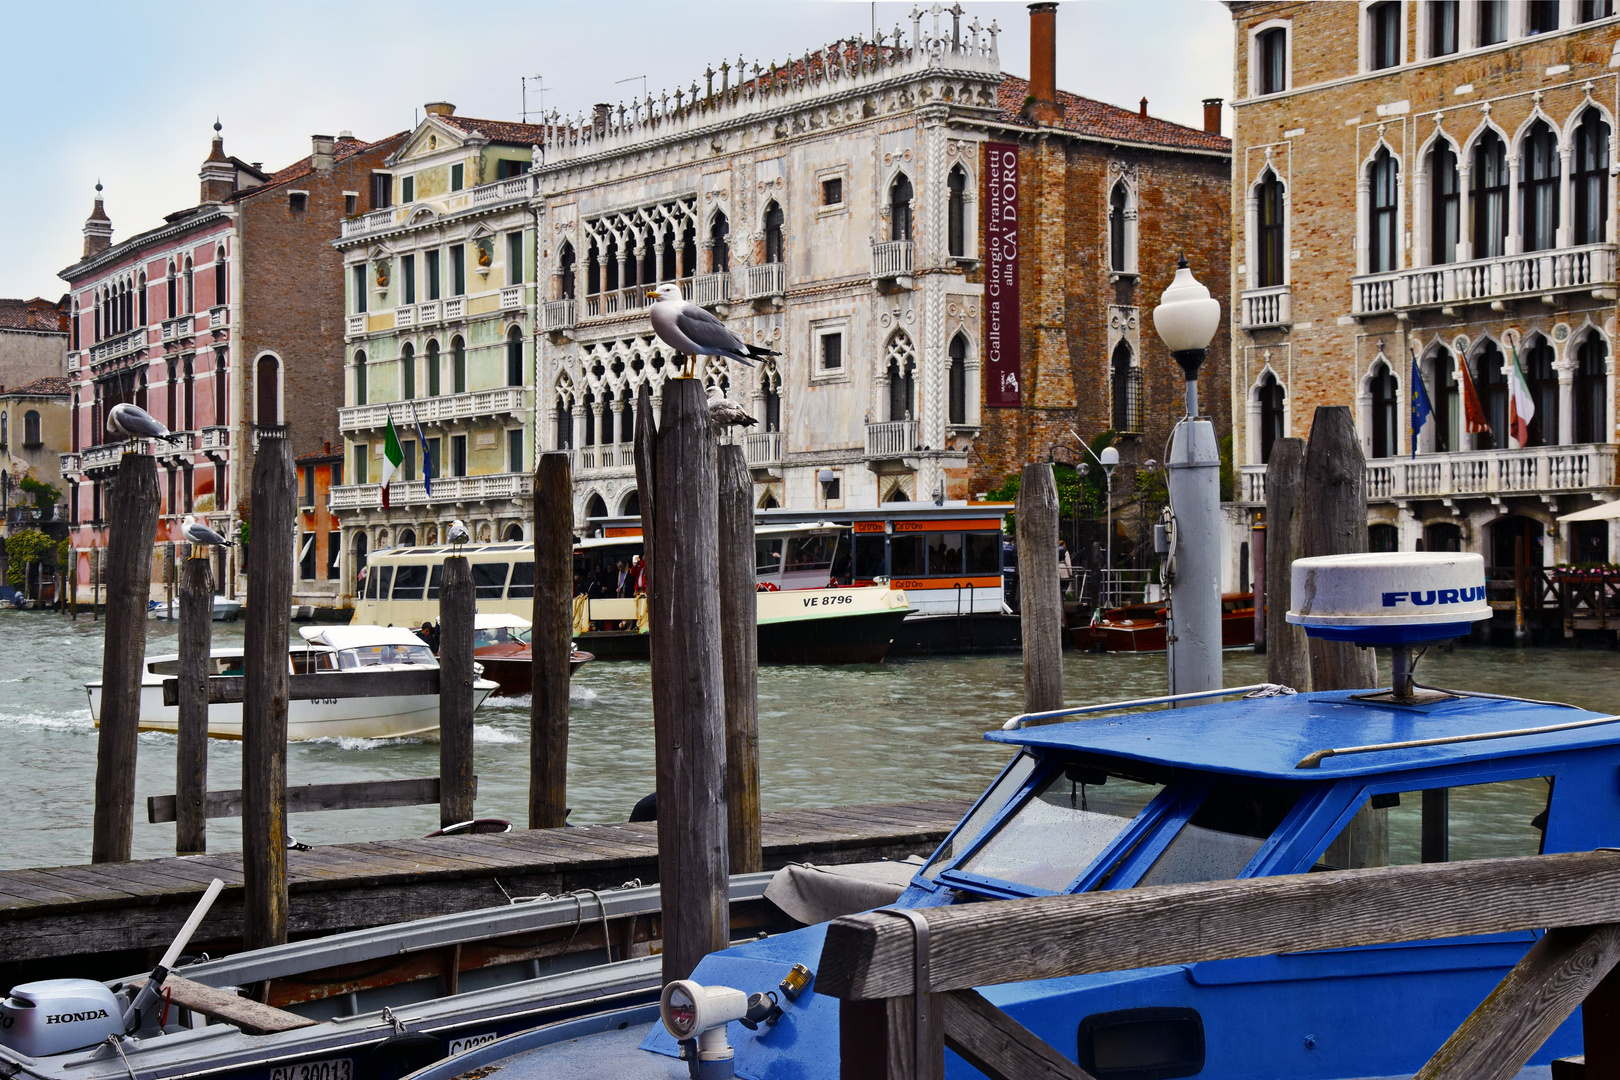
<point x="605" y="456"/>
<point x="767" y="280"/>
<point x="892" y="259"/>
<point x="427" y="312"/>
<point x="761" y="448"/>
<point x="215" y="437"/>
<point x="511" y="297"/>
<point x="502" y="401"/>
<point x="706" y="289"/>
<point x="404" y="317"/>
<point x="105" y="458"/>
<point x="1535" y="273"/>
<point x="1252" y="484"/>
<point x="365" y="223"/>
<point x="604" y="305"/>
<point x="118" y="346"/>
<point x="558" y="315"/>
<point x="183" y="443"/>
<point x="357" y="324"/>
<point x="1267" y="307"/>
<point x="893" y="439"/>
<point x="1532" y="470"/>
<point x="516" y="187"/>
<point x="217" y="316"/>
<point x="446" y="489"/>
<point x="455" y="308"/>
<point x="175" y="329"/>
<point x="72" y="465"/>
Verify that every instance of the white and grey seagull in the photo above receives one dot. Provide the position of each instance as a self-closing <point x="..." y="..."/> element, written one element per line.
<point x="200" y="535"/>
<point x="692" y="331"/>
<point x="726" y="413"/>
<point x="137" y="423"/>
<point x="456" y="535"/>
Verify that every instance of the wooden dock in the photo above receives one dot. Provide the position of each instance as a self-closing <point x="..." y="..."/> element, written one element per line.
<point x="108" y="917"/>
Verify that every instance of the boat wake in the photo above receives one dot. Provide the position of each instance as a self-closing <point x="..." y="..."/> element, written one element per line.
<point x="487" y="733"/>
<point x="582" y="693"/>
<point x="74" y="722"/>
<point x="354" y="742"/>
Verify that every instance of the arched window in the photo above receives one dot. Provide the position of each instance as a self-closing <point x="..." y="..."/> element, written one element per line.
<point x="719" y="244"/>
<point x="1125" y="386"/>
<point x="458" y="365"/>
<point x="1492" y="386"/>
<point x="1590" y="179"/>
<point x="593" y="270"/>
<point x="432" y="362"/>
<point x="1383" y="225"/>
<point x="1591" y="413"/>
<point x="407" y="371"/>
<point x="956" y="212"/>
<point x="172" y="287"/>
<point x="1272" y="414"/>
<point x="406" y="538"/>
<point x="1446" y="398"/>
<point x="31" y="432"/>
<point x="267" y="389"/>
<point x="900" y="208"/>
<point x="668" y="270"/>
<point x="191" y="288"/>
<point x="902" y="369"/>
<point x="514" y="357"/>
<point x="1116" y="228"/>
<point x="1488" y="190"/>
<point x="360" y="378"/>
<point x="607" y="416"/>
<point x="689" y="249"/>
<point x="610" y="265"/>
<point x="219" y="276"/>
<point x="565" y="424"/>
<point x="1385" y="424"/>
<point x="627" y="416"/>
<point x="1271" y="266"/>
<point x="140" y="390"/>
<point x="956" y="380"/>
<point x="1538" y="372"/>
<point x="140" y="303"/>
<point x="771" y="384"/>
<point x="595" y="507"/>
<point x="565" y="267"/>
<point x="1444" y="204"/>
<point x="1383" y="537"/>
<point x="590" y="418"/>
<point x="774" y="220"/>
<point x="1272" y="66"/>
<point x="630" y="505"/>
<point x="1539" y="185"/>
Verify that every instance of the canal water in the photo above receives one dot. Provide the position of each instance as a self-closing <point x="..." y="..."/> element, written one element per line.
<point x="905" y="730"/>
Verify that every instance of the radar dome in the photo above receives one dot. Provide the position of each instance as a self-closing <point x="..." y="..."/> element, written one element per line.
<point x="1389" y="598"/>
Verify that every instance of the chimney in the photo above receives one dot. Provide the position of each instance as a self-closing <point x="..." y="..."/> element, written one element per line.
<point x="1042" y="106"/>
<point x="218" y="174"/>
<point x="439" y="108"/>
<point x="97" y="228"/>
<point x="320" y="153"/>
<point x="1141" y="110"/>
<point x="601" y="112"/>
<point x="1212" y="115"/>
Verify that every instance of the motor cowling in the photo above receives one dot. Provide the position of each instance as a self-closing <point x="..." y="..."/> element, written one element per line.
<point x="54" y="1016"/>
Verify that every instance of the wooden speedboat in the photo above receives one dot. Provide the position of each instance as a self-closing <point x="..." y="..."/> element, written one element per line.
<point x="503" y="645"/>
<point x="1141" y="627"/>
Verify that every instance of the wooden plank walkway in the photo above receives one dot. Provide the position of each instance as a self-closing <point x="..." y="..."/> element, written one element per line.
<point x="68" y="911"/>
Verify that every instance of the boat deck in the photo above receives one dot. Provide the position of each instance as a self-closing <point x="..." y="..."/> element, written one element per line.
<point x="102" y="913"/>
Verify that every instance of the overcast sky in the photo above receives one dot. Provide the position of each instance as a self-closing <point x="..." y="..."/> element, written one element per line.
<point x="128" y="92"/>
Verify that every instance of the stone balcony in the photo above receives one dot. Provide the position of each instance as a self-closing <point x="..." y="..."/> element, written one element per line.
<point x="604" y="457"/>
<point x="1589" y="268"/>
<point x="1266" y="308"/>
<point x="892" y="263"/>
<point x="892" y="439"/>
<point x="472" y="405"/>
<point x="100" y="462"/>
<point x="113" y="348"/>
<point x="765" y="282"/>
<point x="615" y="302"/>
<point x="513" y="189"/>
<point x="491" y="487"/>
<point x="180" y="328"/>
<point x="1534" y="470"/>
<point x="557" y="315"/>
<point x="762" y="449"/>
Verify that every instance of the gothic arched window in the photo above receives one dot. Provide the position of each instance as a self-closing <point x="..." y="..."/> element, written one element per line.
<point x="956" y="212"/>
<point x="1270" y="259"/>
<point x="956" y="381"/>
<point x="1488" y="191"/>
<point x="902" y="370"/>
<point x="1590" y="179"/>
<point x="1385" y="424"/>
<point x="719" y="244"/>
<point x="1445" y="204"/>
<point x="900" y="208"/>
<point x="1272" y="414"/>
<point x="774" y="219"/>
<point x="1383" y="225"/>
<point x="1591" y="411"/>
<point x="1539" y="186"/>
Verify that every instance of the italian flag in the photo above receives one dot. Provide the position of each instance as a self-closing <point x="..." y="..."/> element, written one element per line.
<point x="1521" y="406"/>
<point x="393" y="458"/>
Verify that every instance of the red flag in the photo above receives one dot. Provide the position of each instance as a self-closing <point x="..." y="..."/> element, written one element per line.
<point x="1474" y="419"/>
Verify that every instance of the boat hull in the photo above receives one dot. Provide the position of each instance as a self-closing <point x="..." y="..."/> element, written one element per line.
<point x="394" y="717"/>
<point x="513" y="672"/>
<point x="1149" y="635"/>
<point x="955" y="635"/>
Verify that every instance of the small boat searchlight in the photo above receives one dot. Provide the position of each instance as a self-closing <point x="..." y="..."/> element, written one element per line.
<point x="1398" y="599"/>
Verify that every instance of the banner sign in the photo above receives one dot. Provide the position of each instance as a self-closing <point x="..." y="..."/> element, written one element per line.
<point x="1001" y="345"/>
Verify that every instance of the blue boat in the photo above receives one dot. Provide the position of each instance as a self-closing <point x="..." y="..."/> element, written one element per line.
<point x="1270" y="783"/>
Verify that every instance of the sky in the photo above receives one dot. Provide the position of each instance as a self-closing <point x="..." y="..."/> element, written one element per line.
<point x="127" y="93"/>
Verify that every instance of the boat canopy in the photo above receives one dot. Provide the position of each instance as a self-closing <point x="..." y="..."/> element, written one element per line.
<point x="500" y="621"/>
<point x="357" y="637"/>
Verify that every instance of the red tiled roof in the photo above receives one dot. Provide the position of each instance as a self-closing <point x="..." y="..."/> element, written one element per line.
<point x="50" y="386"/>
<point x="1104" y="121"/>
<point x="342" y="150"/>
<point x="35" y="314"/>
<point x="502" y="131"/>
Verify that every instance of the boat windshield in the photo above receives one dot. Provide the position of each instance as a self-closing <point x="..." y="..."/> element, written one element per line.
<point x="1012" y="778"/>
<point x="500" y="635"/>
<point x="1223" y="834"/>
<point x="1061" y="828"/>
<point x="378" y="655"/>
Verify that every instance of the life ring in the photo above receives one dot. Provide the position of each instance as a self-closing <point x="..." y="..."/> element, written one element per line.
<point x="766" y="586"/>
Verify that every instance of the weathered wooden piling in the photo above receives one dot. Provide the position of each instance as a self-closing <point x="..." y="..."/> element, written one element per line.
<point x="1287" y="661"/>
<point x="739" y="615"/>
<point x="170" y="572"/>
<point x="551" y="641"/>
<point x="132" y="517"/>
<point x="1334" y="522"/>
<point x="688" y="690"/>
<point x="73" y="582"/>
<point x="457" y="609"/>
<point x="274" y="511"/>
<point x="191" y="745"/>
<point x="95" y="582"/>
<point x="1257" y="558"/>
<point x="1039" y="598"/>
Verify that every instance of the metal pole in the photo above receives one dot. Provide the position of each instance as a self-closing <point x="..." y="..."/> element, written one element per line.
<point x="1194" y="631"/>
<point x="1108" y="557"/>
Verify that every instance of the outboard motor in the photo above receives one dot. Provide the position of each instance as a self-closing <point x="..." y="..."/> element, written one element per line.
<point x="54" y="1016"/>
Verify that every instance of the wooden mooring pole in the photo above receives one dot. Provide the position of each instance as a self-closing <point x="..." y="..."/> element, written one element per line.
<point x="1334" y="522"/>
<point x="457" y="608"/>
<point x="688" y="690"/>
<point x="1257" y="557"/>
<point x="264" y="705"/>
<point x="551" y="641"/>
<point x="1287" y="661"/>
<point x="132" y="514"/>
<point x="1039" y="597"/>
<point x="191" y="745"/>
<point x="95" y="580"/>
<point x="73" y="586"/>
<point x="739" y="615"/>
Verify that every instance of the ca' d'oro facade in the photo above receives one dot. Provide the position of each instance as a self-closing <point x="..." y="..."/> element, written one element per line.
<point x="1433" y="180"/>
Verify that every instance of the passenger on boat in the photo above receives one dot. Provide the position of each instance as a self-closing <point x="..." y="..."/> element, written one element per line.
<point x="430" y="634"/>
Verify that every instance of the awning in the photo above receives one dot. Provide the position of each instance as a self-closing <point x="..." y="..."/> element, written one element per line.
<point x="1601" y="512"/>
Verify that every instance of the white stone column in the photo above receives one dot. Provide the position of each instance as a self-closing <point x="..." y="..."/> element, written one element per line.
<point x="1566" y="399"/>
<point x="1566" y="198"/>
<point x="1422" y="220"/>
<point x="1251" y="236"/>
<point x="1465" y="209"/>
<point x="1515" y="236"/>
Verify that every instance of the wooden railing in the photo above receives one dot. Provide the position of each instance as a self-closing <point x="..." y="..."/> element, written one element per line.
<point x="871" y="961"/>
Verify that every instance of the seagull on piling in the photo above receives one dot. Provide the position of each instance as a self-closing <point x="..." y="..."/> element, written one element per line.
<point x="726" y="413"/>
<point x="457" y="535"/>
<point x="693" y="332"/>
<point x="200" y="535"/>
<point x="137" y="423"/>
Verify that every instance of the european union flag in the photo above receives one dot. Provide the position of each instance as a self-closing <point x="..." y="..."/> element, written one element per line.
<point x="1421" y="409"/>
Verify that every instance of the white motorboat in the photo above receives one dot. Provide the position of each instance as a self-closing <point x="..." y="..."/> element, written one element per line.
<point x="225" y="609"/>
<point x="324" y="648"/>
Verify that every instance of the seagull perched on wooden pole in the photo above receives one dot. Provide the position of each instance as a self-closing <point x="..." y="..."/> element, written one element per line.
<point x="726" y="413"/>
<point x="200" y="535"/>
<point x="691" y="331"/>
<point x="137" y="423"/>
<point x="457" y="535"/>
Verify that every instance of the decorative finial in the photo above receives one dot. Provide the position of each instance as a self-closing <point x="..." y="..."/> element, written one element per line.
<point x="217" y="125"/>
<point x="1181" y="263"/>
<point x="98" y="187"/>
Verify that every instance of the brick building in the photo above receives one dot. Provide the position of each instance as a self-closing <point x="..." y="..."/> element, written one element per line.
<point x="227" y="315"/>
<point x="1433" y="180"/>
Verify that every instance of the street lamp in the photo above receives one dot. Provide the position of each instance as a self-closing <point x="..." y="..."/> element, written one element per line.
<point x="1186" y="320"/>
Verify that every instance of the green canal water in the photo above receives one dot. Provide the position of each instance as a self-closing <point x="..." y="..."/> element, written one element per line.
<point x="905" y="730"/>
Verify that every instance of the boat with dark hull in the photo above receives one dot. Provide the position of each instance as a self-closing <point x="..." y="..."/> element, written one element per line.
<point x="1144" y="627"/>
